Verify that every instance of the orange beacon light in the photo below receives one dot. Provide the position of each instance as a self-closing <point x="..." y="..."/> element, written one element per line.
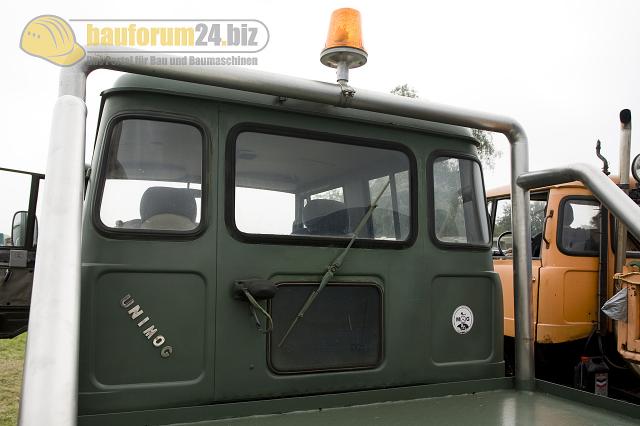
<point x="343" y="49"/>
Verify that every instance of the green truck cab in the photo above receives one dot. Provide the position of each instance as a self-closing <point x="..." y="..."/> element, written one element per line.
<point x="197" y="190"/>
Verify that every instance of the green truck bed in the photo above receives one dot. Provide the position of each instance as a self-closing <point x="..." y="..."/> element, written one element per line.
<point x="478" y="402"/>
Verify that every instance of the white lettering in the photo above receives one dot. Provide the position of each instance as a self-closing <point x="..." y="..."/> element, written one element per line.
<point x="135" y="312"/>
<point x="126" y="301"/>
<point x="149" y="332"/>
<point x="166" y="352"/>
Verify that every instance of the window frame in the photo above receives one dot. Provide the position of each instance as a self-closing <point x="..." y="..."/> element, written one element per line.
<point x="560" y="226"/>
<point x="431" y="202"/>
<point x="612" y="234"/>
<point x="308" y="240"/>
<point x="35" y="179"/>
<point x="151" y="234"/>
<point x="489" y="206"/>
<point x="492" y="224"/>
<point x="494" y="211"/>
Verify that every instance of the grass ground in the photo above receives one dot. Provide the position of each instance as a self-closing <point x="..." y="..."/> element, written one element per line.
<point x="11" y="358"/>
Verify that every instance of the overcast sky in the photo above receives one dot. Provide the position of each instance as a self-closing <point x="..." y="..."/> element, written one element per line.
<point x="564" y="69"/>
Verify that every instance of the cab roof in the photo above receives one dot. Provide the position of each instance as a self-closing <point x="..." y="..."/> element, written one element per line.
<point x="141" y="83"/>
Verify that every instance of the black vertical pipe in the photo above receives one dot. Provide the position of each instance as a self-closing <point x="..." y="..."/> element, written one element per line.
<point x="603" y="266"/>
<point x="31" y="215"/>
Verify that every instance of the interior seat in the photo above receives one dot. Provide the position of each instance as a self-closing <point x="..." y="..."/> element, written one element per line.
<point x="168" y="209"/>
<point x="325" y="217"/>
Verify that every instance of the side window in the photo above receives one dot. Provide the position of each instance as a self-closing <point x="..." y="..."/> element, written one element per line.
<point x="153" y="177"/>
<point x="295" y="186"/>
<point x="459" y="202"/>
<point x="580" y="227"/>
<point x="336" y="194"/>
<point x="501" y="225"/>
<point x="633" y="247"/>
<point x="14" y="203"/>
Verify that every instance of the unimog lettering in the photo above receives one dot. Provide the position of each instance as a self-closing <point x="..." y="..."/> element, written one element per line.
<point x="135" y="312"/>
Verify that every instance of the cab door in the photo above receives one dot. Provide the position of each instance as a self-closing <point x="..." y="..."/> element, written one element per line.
<point x="294" y="196"/>
<point x="568" y="305"/>
<point x="18" y="240"/>
<point x="148" y="258"/>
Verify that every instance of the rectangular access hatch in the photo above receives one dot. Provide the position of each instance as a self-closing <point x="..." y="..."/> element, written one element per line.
<point x="341" y="331"/>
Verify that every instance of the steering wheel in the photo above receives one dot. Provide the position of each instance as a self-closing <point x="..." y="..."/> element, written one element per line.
<point x="500" y="251"/>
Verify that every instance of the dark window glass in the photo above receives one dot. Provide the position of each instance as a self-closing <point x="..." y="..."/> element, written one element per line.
<point x="580" y="231"/>
<point x="587" y="235"/>
<point x="633" y="247"/>
<point x="153" y="179"/>
<point x="459" y="203"/>
<point x="341" y="329"/>
<point x="502" y="223"/>
<point x="288" y="185"/>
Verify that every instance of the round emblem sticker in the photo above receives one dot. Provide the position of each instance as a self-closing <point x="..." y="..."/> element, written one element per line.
<point x="462" y="319"/>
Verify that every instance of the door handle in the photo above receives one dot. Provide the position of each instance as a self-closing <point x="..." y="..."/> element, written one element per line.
<point x="544" y="228"/>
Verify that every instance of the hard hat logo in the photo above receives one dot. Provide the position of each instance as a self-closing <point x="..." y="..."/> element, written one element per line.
<point x="51" y="38"/>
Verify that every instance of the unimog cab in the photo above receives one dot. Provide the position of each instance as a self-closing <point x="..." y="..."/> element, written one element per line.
<point x="197" y="193"/>
<point x="263" y="249"/>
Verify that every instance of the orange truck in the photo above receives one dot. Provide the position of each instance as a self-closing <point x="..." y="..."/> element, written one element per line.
<point x="571" y="279"/>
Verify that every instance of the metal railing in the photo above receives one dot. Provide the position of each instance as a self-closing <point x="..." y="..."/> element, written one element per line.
<point x="602" y="187"/>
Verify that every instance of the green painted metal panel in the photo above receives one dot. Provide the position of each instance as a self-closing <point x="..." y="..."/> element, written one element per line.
<point x="476" y="293"/>
<point x="172" y="280"/>
<point x="136" y="310"/>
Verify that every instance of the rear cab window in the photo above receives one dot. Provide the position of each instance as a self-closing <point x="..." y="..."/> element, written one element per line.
<point x="459" y="214"/>
<point x="299" y="187"/>
<point x="152" y="179"/>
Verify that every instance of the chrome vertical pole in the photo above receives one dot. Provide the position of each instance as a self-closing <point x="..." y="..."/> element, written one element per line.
<point x="521" y="228"/>
<point x="625" y="160"/>
<point x="50" y="385"/>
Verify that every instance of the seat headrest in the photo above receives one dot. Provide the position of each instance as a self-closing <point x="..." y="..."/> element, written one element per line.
<point x="568" y="215"/>
<point x="159" y="199"/>
<point x="326" y="217"/>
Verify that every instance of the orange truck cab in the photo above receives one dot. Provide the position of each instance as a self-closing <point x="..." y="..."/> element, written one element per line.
<point x="565" y="245"/>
